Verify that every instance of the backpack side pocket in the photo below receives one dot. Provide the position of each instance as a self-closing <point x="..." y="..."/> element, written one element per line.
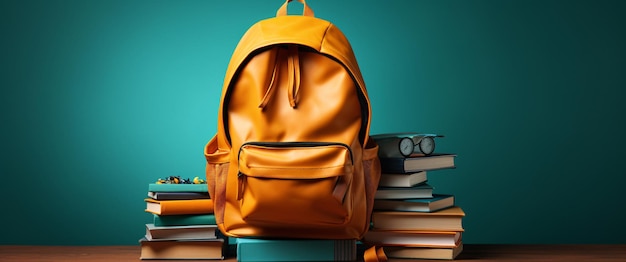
<point x="372" y="172"/>
<point x="216" y="176"/>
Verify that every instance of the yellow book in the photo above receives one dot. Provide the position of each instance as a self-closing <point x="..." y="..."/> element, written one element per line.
<point x="423" y="252"/>
<point x="191" y="249"/>
<point x="179" y="207"/>
<point x="440" y="239"/>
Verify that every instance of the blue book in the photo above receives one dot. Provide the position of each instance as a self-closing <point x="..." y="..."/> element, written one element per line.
<point x="153" y="187"/>
<point x="423" y="190"/>
<point x="178" y="195"/>
<point x="275" y="250"/>
<point x="184" y="220"/>
<point x="417" y="163"/>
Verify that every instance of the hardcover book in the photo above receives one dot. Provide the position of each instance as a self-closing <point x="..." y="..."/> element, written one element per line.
<point x="191" y="249"/>
<point x="184" y="220"/>
<point x="274" y="250"/>
<point x="449" y="219"/>
<point x="417" y="238"/>
<point x="423" y="252"/>
<point x="437" y="202"/>
<point x="423" y="190"/>
<point x="154" y="233"/>
<point x="154" y="187"/>
<point x="417" y="163"/>
<point x="402" y="180"/>
<point x="179" y="207"/>
<point x="177" y="195"/>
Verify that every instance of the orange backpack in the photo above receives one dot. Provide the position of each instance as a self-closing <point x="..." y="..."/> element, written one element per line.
<point x="292" y="157"/>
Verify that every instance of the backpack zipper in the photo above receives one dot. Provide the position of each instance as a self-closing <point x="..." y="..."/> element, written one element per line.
<point x="297" y="144"/>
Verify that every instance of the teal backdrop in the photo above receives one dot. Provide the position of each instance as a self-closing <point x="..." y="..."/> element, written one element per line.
<point x="100" y="98"/>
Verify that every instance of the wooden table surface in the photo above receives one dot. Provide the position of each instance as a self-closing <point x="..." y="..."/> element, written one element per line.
<point x="475" y="253"/>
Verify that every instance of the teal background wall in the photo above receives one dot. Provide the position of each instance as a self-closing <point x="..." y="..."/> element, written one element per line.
<point x="100" y="98"/>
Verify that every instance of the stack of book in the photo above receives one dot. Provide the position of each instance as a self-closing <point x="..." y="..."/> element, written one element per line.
<point x="409" y="220"/>
<point x="183" y="225"/>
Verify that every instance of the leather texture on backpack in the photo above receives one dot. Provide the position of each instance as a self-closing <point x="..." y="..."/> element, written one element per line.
<point x="292" y="155"/>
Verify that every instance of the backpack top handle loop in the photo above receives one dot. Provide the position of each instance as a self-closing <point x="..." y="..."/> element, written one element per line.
<point x="282" y="11"/>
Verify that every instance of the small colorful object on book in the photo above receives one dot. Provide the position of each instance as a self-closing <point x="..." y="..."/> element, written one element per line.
<point x="178" y="180"/>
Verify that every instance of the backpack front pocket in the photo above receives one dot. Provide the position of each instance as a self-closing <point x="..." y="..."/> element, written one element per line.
<point x="303" y="183"/>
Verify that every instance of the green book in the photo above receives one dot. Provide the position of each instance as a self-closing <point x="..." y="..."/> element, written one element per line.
<point x="153" y="187"/>
<point x="274" y="250"/>
<point x="437" y="202"/>
<point x="184" y="220"/>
